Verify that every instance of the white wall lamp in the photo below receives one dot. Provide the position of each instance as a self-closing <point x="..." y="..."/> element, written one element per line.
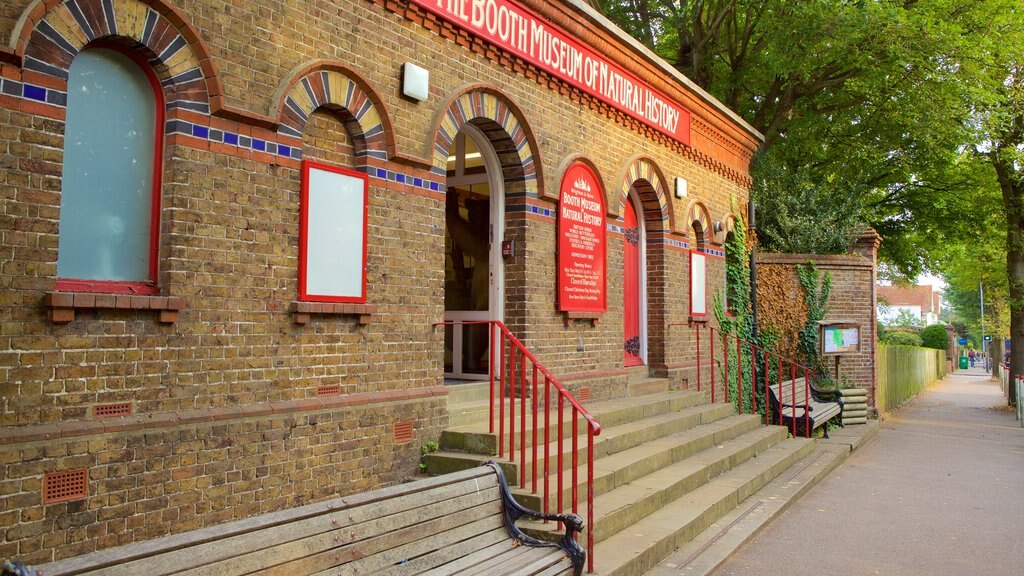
<point x="415" y="82"/>
<point x="680" y="187"/>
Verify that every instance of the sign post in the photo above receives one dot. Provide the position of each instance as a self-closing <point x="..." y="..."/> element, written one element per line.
<point x="838" y="338"/>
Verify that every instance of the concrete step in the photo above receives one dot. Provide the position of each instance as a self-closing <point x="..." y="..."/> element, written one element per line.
<point x="642" y="545"/>
<point x="637" y="373"/>
<point x="468" y="414"/>
<point x="648" y="386"/>
<point x="611" y="441"/>
<point x="460" y="391"/>
<point x="626" y="493"/>
<point x="475" y="438"/>
<point x="621" y="467"/>
<point x="709" y="549"/>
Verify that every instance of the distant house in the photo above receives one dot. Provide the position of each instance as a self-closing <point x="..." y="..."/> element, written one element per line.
<point x="924" y="302"/>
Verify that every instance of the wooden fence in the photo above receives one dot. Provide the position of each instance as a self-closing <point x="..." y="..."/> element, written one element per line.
<point x="904" y="371"/>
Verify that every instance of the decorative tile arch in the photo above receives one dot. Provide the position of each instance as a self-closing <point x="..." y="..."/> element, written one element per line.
<point x="650" y="183"/>
<point x="503" y="124"/>
<point x="338" y="88"/>
<point x="697" y="217"/>
<point x="50" y="34"/>
<point x="728" y="225"/>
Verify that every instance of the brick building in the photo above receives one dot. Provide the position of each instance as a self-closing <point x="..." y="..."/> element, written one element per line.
<point x="230" y="229"/>
<point x="923" y="302"/>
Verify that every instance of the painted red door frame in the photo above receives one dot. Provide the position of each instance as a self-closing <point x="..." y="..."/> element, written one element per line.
<point x="631" y="256"/>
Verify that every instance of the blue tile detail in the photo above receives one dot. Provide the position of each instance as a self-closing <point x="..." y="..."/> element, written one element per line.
<point x="231" y="138"/>
<point x="382" y="173"/>
<point x="434" y="186"/>
<point x="258" y="144"/>
<point x="400" y="178"/>
<point x="33" y="92"/>
<point x="417" y="182"/>
<point x="200" y="131"/>
<point x="283" y="150"/>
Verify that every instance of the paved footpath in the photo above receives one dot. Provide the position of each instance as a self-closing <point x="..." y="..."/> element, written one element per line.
<point x="940" y="491"/>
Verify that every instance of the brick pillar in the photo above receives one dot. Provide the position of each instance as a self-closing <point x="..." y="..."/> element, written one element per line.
<point x="866" y="245"/>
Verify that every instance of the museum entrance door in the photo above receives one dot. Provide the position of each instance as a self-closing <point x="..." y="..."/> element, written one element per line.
<point x="474" y="271"/>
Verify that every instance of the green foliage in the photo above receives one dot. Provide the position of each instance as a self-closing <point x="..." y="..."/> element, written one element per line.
<point x="870" y="111"/>
<point x="816" y="293"/>
<point x="902" y="339"/>
<point x="905" y="319"/>
<point x="903" y="115"/>
<point x="428" y="447"/>
<point x="934" y="336"/>
<point x="738" y="321"/>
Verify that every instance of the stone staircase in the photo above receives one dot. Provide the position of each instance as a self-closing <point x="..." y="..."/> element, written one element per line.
<point x="667" y="466"/>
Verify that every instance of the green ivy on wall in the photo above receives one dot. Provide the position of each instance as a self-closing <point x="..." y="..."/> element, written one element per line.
<point x="817" y="288"/>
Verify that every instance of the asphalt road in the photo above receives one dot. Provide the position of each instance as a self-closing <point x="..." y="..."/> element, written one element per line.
<point x="939" y="492"/>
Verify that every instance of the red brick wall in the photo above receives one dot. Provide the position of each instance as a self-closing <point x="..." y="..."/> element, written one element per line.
<point x="226" y="421"/>
<point x="852" y="299"/>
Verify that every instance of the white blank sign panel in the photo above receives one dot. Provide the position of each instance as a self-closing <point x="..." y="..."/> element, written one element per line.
<point x="333" y="243"/>
<point x="698" y="299"/>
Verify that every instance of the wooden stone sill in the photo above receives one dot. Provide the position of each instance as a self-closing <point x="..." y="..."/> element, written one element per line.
<point x="302" y="311"/>
<point x="593" y="317"/>
<point x="62" y="305"/>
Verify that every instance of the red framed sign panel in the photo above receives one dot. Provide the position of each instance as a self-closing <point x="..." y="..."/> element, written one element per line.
<point x="333" y="212"/>
<point x="698" y="284"/>
<point x="582" y="242"/>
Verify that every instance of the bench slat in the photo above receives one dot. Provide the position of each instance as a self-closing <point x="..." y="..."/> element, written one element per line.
<point x="508" y="562"/>
<point x="180" y="552"/>
<point x="557" y="570"/>
<point x="555" y="558"/>
<point x="469" y="543"/>
<point x="817" y="412"/>
<point x="438" y="526"/>
<point x="379" y="548"/>
<point x="474" y="558"/>
<point x="395" y="558"/>
<point x="270" y="547"/>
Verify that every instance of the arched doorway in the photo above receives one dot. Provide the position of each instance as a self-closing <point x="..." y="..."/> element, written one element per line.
<point x="474" y="272"/>
<point x="634" y="259"/>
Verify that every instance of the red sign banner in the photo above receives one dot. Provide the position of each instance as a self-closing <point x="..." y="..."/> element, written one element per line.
<point x="581" y="242"/>
<point x="522" y="32"/>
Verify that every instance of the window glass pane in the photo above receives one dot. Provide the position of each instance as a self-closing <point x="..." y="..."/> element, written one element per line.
<point x="107" y="188"/>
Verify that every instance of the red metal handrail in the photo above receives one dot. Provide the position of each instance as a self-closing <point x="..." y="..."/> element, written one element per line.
<point x="747" y="368"/>
<point x="512" y="368"/>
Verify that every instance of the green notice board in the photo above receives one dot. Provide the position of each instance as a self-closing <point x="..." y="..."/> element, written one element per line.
<point x="840" y="338"/>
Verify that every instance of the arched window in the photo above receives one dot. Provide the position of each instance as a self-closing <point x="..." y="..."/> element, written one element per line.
<point x="110" y="191"/>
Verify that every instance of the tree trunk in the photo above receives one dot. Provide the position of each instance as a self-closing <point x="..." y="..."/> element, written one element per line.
<point x="1012" y="185"/>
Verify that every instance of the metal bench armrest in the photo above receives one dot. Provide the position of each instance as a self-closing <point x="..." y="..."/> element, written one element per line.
<point x="512" y="511"/>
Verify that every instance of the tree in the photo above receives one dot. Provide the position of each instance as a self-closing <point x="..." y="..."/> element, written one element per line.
<point x="904" y="115"/>
<point x="861" y="105"/>
<point x="935" y="336"/>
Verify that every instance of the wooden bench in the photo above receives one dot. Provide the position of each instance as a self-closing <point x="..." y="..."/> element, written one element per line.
<point x="461" y="523"/>
<point x="810" y="411"/>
